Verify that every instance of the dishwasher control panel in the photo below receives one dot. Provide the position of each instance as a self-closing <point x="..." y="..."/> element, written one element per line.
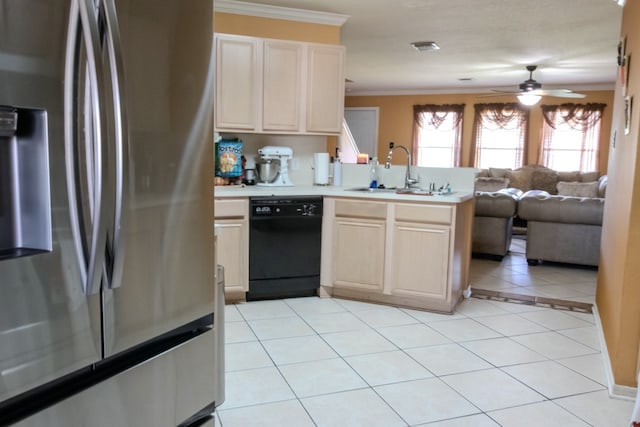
<point x="285" y="207"/>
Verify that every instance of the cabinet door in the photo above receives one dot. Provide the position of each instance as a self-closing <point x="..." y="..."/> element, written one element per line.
<point x="237" y="82"/>
<point x="233" y="253"/>
<point x="358" y="253"/>
<point x="282" y="78"/>
<point x="420" y="260"/>
<point x="325" y="88"/>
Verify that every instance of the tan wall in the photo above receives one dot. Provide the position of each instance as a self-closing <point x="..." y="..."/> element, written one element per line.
<point x="276" y="28"/>
<point x="618" y="293"/>
<point x="396" y="119"/>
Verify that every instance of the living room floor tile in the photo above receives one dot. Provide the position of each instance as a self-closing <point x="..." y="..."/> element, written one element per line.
<point x="298" y="349"/>
<point x="425" y="401"/>
<point x="245" y="355"/>
<point x="502" y="351"/>
<point x="553" y="345"/>
<point x="557" y="381"/>
<point x="474" y="307"/>
<point x="511" y="324"/>
<point x="590" y="366"/>
<point x="597" y="409"/>
<point x="335" y="322"/>
<point x="587" y="336"/>
<point x="277" y="414"/>
<point x="385" y="316"/>
<point x="554" y="319"/>
<point x="255" y="386"/>
<point x="537" y="414"/>
<point x="492" y="389"/>
<point x="386" y="368"/>
<point x="265" y="310"/>
<point x="464" y="330"/>
<point x="448" y="359"/>
<point x="358" y="342"/>
<point x="411" y="336"/>
<point x="281" y="327"/>
<point x="311" y="379"/>
<point x="352" y="408"/>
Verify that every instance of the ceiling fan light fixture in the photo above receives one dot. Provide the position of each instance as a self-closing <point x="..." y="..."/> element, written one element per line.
<point x="529" y="99"/>
<point x="425" y="46"/>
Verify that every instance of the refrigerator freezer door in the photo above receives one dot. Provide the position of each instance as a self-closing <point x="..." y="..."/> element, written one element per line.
<point x="48" y="327"/>
<point x="162" y="392"/>
<point x="167" y="232"/>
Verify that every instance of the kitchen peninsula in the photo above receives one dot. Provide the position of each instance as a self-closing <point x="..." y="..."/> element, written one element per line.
<point x="410" y="250"/>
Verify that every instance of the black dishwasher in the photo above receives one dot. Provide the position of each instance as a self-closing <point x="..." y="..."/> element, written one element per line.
<point x="284" y="247"/>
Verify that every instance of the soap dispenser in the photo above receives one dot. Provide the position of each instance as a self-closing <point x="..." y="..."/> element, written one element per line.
<point x="373" y="181"/>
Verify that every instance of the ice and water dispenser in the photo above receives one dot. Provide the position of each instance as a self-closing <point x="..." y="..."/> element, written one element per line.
<point x="25" y="202"/>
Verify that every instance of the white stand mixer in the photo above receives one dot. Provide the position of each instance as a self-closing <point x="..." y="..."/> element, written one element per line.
<point x="283" y="154"/>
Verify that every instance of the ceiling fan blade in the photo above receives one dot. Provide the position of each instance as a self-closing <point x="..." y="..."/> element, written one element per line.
<point x="560" y="93"/>
<point x="497" y="93"/>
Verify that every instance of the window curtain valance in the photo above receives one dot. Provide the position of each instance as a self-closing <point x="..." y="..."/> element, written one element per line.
<point x="577" y="116"/>
<point x="509" y="115"/>
<point x="435" y="115"/>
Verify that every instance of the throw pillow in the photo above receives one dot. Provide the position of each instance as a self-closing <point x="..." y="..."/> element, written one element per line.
<point x="498" y="172"/>
<point x="491" y="184"/>
<point x="520" y="179"/>
<point x="578" y="189"/>
<point x="589" y="176"/>
<point x="573" y="176"/>
<point x="602" y="186"/>
<point x="545" y="180"/>
<point x="482" y="173"/>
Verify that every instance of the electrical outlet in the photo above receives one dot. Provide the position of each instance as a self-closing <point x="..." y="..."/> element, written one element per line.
<point x="295" y="164"/>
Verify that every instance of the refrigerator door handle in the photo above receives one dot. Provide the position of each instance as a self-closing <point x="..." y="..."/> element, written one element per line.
<point x="115" y="56"/>
<point x="88" y="229"/>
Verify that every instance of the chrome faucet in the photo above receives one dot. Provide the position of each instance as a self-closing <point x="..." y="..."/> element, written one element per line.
<point x="408" y="181"/>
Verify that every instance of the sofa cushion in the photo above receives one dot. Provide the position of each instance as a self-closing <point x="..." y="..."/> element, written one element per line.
<point x="541" y="206"/>
<point x="498" y="172"/>
<point x="573" y="176"/>
<point x="498" y="204"/>
<point x="520" y="178"/>
<point x="491" y="184"/>
<point x="578" y="189"/>
<point x="545" y="180"/>
<point x="482" y="173"/>
<point x="589" y="176"/>
<point x="602" y="186"/>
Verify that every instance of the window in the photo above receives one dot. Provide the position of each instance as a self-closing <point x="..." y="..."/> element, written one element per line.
<point x="571" y="136"/>
<point x="437" y="135"/>
<point x="499" y="136"/>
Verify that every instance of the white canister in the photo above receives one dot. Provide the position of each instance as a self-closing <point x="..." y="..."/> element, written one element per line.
<point x="321" y="168"/>
<point x="337" y="173"/>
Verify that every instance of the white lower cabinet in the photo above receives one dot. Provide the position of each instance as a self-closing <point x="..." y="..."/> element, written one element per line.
<point x="420" y="260"/>
<point x="407" y="254"/>
<point x="232" y="249"/>
<point x="358" y="253"/>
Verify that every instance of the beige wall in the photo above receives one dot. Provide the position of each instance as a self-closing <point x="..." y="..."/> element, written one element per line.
<point x="276" y="28"/>
<point x="618" y="293"/>
<point x="396" y="119"/>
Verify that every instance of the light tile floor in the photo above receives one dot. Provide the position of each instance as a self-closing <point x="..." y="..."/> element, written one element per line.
<point x="331" y="362"/>
<point x="514" y="275"/>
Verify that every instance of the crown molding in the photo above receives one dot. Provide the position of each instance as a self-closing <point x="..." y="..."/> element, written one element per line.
<point x="278" y="12"/>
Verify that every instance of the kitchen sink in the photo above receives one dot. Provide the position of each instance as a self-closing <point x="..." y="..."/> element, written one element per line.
<point x="372" y="190"/>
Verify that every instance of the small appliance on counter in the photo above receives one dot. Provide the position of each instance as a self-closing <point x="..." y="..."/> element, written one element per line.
<point x="321" y="169"/>
<point x="273" y="166"/>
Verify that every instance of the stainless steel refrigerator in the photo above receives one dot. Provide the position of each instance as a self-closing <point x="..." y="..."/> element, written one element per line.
<point x="107" y="265"/>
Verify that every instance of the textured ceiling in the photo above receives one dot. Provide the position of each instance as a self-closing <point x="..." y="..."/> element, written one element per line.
<point x="488" y="41"/>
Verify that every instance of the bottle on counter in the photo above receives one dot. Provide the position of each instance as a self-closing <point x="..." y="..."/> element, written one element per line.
<point x="373" y="181"/>
<point x="337" y="170"/>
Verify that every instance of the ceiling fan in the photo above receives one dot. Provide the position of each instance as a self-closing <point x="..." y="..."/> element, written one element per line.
<point x="530" y="91"/>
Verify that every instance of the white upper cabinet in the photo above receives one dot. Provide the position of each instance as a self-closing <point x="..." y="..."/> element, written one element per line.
<point x="278" y="86"/>
<point x="237" y="83"/>
<point x="325" y="73"/>
<point x="282" y="85"/>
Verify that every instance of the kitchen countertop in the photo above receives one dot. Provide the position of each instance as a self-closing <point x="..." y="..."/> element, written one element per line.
<point x="346" y="191"/>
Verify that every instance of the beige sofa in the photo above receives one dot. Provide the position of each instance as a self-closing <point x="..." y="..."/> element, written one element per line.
<point x="561" y="227"/>
<point x="493" y="221"/>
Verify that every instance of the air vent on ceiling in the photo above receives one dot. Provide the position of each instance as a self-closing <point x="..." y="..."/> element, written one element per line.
<point x="425" y="46"/>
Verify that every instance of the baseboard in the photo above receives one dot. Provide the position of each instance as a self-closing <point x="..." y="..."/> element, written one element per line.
<point x="615" y="391"/>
